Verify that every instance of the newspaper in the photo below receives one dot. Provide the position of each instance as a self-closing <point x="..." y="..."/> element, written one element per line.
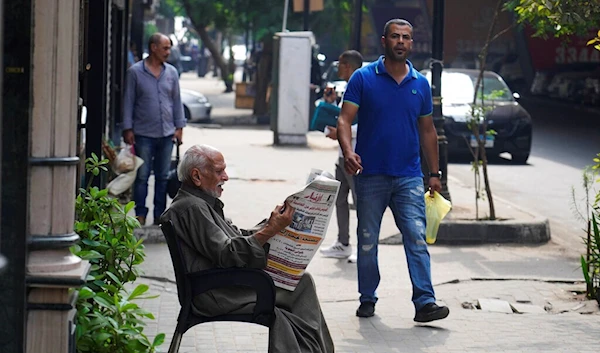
<point x="292" y="249"/>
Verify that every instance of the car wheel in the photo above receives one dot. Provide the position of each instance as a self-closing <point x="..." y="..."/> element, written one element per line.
<point x="520" y="157"/>
<point x="187" y="114"/>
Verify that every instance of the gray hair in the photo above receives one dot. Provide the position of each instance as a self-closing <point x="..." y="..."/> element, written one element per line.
<point x="395" y="21"/>
<point x="197" y="156"/>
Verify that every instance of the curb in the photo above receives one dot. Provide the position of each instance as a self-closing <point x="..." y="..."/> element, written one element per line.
<point x="452" y="232"/>
<point x="467" y="232"/>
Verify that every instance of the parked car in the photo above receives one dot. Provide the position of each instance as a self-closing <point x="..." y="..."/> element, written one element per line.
<point x="511" y="122"/>
<point x="195" y="106"/>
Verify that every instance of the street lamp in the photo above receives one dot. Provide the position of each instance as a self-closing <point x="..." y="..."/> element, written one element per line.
<point x="437" y="54"/>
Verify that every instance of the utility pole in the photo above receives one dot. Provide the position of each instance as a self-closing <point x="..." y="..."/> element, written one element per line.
<point x="437" y="53"/>
<point x="357" y="24"/>
<point x="306" y="9"/>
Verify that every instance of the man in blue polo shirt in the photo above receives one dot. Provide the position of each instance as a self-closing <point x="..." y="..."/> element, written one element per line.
<point x="394" y="107"/>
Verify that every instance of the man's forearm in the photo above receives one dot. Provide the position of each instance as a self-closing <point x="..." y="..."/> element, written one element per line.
<point x="430" y="149"/>
<point x="263" y="235"/>
<point x="344" y="135"/>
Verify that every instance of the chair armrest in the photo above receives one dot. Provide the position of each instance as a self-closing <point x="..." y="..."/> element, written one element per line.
<point x="256" y="279"/>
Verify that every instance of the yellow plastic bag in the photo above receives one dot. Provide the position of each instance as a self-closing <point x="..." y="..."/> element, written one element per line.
<point x="436" y="208"/>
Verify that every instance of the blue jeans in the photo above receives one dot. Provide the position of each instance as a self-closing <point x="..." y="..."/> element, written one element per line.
<point x="405" y="196"/>
<point x="156" y="153"/>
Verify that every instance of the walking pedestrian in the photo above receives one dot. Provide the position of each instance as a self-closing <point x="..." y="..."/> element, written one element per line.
<point x="152" y="119"/>
<point x="348" y="62"/>
<point x="394" y="106"/>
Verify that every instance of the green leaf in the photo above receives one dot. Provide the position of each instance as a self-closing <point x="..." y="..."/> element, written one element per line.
<point x="130" y="205"/>
<point x="113" y="322"/>
<point x="90" y="242"/>
<point x="114" y="278"/>
<point x="158" y="340"/>
<point x="139" y="290"/>
<point x="592" y="41"/>
<point x="101" y="337"/>
<point x="596" y="231"/>
<point x="586" y="274"/>
<point x="129" y="306"/>
<point x="136" y="345"/>
<point x="102" y="301"/>
<point x="85" y="293"/>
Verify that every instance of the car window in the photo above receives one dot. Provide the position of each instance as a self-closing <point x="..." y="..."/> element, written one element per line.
<point x="459" y="87"/>
<point x="493" y="85"/>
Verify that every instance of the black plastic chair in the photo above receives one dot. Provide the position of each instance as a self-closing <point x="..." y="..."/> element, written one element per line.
<point x="192" y="284"/>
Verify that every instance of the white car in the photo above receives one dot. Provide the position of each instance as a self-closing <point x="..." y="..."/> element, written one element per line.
<point x="196" y="106"/>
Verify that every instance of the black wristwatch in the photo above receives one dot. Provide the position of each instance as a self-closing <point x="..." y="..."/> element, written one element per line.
<point x="436" y="175"/>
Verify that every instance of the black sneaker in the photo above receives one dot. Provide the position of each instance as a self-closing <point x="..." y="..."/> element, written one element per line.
<point x="431" y="312"/>
<point x="366" y="309"/>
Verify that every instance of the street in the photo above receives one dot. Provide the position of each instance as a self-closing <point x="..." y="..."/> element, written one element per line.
<point x="564" y="142"/>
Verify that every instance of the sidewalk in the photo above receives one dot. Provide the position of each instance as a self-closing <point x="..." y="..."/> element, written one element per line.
<point x="262" y="175"/>
<point x="392" y="328"/>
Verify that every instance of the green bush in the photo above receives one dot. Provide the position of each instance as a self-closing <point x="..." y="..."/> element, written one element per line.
<point x="590" y="262"/>
<point x="108" y="320"/>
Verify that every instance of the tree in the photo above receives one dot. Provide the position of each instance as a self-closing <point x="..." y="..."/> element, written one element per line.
<point x="478" y="120"/>
<point x="265" y="18"/>
<point x="202" y="14"/>
<point x="557" y="17"/>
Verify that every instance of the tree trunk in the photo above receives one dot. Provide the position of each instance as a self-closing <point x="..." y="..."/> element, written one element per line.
<point x="217" y="57"/>
<point x="263" y="78"/>
<point x="486" y="182"/>
<point x="481" y="144"/>
<point x="210" y="45"/>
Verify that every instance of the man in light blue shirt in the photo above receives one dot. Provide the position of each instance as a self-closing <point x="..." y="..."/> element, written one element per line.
<point x="152" y="118"/>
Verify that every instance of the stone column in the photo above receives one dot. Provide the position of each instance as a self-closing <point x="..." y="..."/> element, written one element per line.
<point x="51" y="269"/>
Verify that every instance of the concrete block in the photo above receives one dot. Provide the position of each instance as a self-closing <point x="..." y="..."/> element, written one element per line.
<point x="520" y="308"/>
<point x="494" y="305"/>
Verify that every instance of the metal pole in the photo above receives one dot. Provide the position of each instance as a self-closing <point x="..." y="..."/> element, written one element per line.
<point x="437" y="53"/>
<point x="357" y="23"/>
<point x="306" y="9"/>
<point x="285" y="15"/>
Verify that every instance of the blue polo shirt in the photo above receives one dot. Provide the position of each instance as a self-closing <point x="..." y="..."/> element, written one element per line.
<point x="388" y="133"/>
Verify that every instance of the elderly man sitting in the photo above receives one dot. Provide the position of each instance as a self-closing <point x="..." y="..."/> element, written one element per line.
<point x="209" y="240"/>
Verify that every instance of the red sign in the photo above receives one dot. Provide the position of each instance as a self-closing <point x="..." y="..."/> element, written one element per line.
<point x="548" y="53"/>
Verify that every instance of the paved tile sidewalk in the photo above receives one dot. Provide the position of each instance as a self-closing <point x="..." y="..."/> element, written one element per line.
<point x="392" y="329"/>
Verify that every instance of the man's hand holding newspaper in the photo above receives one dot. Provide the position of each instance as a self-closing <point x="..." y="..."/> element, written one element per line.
<point x="292" y="249"/>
